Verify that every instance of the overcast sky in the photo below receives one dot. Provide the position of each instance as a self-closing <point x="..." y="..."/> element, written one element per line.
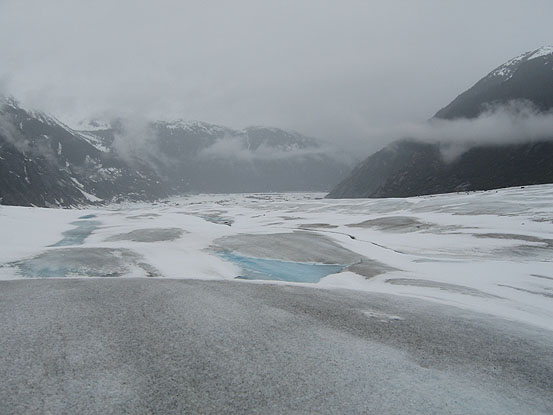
<point x="332" y="69"/>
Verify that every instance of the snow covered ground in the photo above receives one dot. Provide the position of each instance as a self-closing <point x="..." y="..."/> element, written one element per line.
<point x="489" y="252"/>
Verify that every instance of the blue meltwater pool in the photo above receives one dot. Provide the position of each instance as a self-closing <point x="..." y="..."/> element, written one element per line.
<point x="272" y="269"/>
<point x="76" y="236"/>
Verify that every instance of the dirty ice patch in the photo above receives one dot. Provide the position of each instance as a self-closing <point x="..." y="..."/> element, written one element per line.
<point x="148" y="235"/>
<point x="302" y="246"/>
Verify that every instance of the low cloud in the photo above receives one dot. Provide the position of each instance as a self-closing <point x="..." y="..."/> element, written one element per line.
<point x="10" y="132"/>
<point x="514" y="122"/>
<point x="134" y="139"/>
<point x="8" y="129"/>
<point x="511" y="123"/>
<point x="137" y="143"/>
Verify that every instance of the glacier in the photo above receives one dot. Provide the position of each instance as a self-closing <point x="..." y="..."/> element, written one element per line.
<point x="489" y="252"/>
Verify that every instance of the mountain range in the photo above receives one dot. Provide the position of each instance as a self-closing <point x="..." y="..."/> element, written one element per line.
<point x="43" y="162"/>
<point x="412" y="167"/>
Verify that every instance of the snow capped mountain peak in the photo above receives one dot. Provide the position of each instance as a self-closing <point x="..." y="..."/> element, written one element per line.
<point x="9" y="101"/>
<point x="192" y="125"/>
<point x="93" y="125"/>
<point x="543" y="51"/>
<point x="182" y="124"/>
<point x="507" y="70"/>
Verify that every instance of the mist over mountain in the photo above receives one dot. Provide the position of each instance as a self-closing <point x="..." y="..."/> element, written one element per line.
<point x="43" y="162"/>
<point x="194" y="156"/>
<point x="498" y="133"/>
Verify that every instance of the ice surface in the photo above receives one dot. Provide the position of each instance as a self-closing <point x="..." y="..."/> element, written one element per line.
<point x="490" y="252"/>
<point x="441" y="286"/>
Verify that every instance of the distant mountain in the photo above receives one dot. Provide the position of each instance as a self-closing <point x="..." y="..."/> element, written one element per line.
<point x="194" y="156"/>
<point x="411" y="168"/>
<point x="44" y="162"/>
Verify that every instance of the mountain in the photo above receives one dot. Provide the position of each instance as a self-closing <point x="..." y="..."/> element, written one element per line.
<point x="411" y="168"/>
<point x="527" y="77"/>
<point x="207" y="158"/>
<point x="198" y="157"/>
<point x="43" y="162"/>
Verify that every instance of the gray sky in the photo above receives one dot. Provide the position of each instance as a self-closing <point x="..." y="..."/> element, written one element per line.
<point x="338" y="70"/>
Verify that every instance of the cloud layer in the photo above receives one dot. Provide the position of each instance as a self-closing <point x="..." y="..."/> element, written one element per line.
<point x="513" y="122"/>
<point x="334" y="70"/>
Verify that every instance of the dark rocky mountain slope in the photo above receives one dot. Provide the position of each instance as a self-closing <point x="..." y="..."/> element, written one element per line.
<point x="411" y="168"/>
<point x="45" y="163"/>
